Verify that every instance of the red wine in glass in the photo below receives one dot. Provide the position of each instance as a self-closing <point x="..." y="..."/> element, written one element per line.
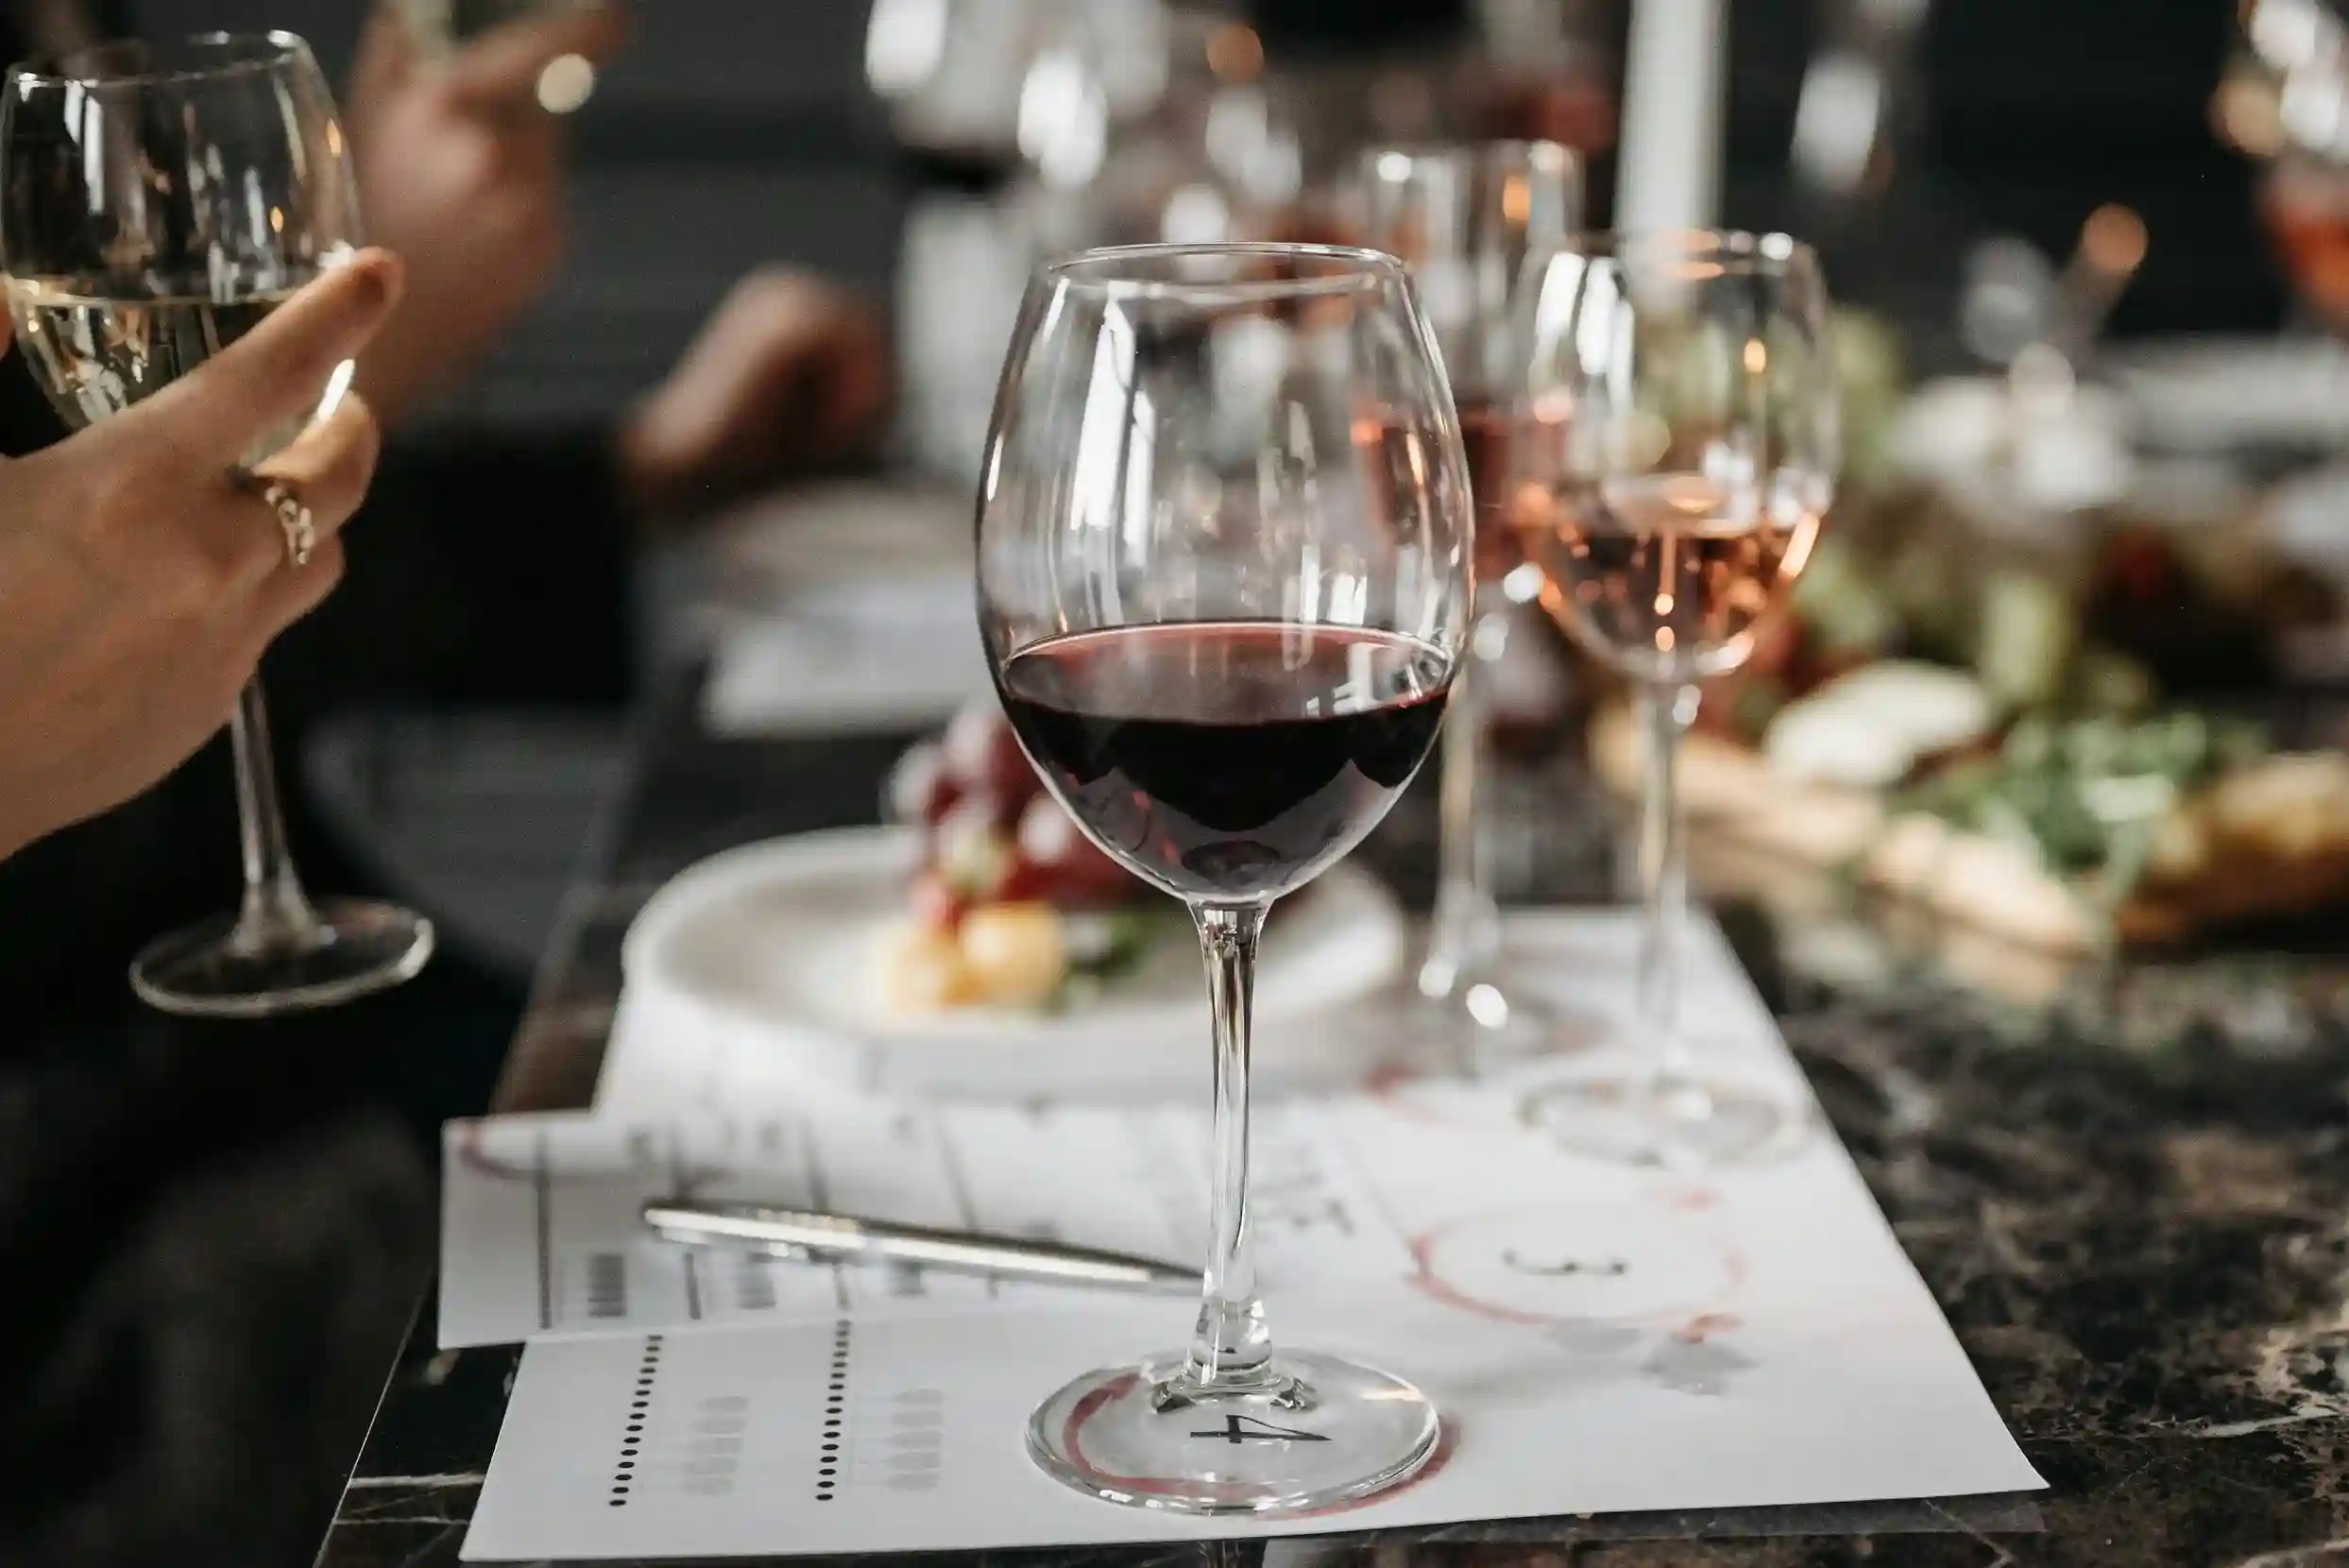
<point x="1227" y="759"/>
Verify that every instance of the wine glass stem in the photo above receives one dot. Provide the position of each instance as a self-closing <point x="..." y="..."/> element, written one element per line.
<point x="1230" y="1349"/>
<point x="275" y="908"/>
<point x="1467" y="922"/>
<point x="1663" y="884"/>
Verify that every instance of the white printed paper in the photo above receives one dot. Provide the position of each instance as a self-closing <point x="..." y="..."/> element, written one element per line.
<point x="1599" y="1340"/>
<point x="541" y="1229"/>
<point x="1863" y="1397"/>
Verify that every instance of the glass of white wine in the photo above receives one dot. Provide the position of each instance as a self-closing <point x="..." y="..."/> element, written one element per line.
<point x="157" y="202"/>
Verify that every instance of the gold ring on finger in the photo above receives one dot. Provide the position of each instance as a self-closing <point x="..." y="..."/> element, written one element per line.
<point x="300" y="528"/>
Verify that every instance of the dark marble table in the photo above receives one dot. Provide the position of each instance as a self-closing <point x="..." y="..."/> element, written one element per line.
<point x="2127" y="1184"/>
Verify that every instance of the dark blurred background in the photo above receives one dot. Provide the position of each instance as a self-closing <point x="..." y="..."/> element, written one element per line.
<point x="740" y="131"/>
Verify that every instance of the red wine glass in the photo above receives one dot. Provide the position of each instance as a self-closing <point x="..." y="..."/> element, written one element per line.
<point x="1474" y="222"/>
<point x="1685" y="387"/>
<point x="1224" y="579"/>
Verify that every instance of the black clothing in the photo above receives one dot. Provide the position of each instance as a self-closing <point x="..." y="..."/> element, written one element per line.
<point x="213" y="1235"/>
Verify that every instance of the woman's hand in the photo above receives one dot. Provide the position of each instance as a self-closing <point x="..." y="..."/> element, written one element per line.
<point x="140" y="578"/>
<point x="789" y="374"/>
<point x="463" y="174"/>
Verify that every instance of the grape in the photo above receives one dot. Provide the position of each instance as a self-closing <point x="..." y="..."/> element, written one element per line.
<point x="971" y="851"/>
<point x="990" y="833"/>
<point x="1047" y="835"/>
<point x="1027" y="884"/>
<point x="920" y="794"/>
<point x="1079" y="872"/>
<point x="983" y="755"/>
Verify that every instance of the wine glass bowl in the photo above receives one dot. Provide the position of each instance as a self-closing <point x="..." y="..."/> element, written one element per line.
<point x="1222" y="605"/>
<point x="157" y="209"/>
<point x="1224" y="583"/>
<point x="1683" y="445"/>
<point x="1684" y="409"/>
<point x="1227" y="760"/>
<point x="157" y="200"/>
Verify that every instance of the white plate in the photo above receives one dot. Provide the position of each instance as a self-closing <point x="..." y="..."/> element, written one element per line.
<point x="874" y="657"/>
<point x="763" y="960"/>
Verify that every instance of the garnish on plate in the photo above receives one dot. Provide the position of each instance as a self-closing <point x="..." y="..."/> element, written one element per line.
<point x="1011" y="905"/>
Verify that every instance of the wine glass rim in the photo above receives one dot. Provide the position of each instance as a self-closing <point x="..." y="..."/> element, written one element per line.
<point x="242" y="53"/>
<point x="1736" y="251"/>
<point x="1354" y="269"/>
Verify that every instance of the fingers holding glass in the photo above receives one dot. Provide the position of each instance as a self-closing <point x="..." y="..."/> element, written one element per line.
<point x="325" y="475"/>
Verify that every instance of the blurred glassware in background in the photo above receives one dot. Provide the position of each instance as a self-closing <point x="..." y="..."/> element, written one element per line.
<point x="1019" y="102"/>
<point x="1476" y="224"/>
<point x="2284" y="100"/>
<point x="2006" y="292"/>
<point x="1547" y="72"/>
<point x="1859" y="97"/>
<point x="970" y="111"/>
<point x="1057" y="125"/>
<point x="2027" y="448"/>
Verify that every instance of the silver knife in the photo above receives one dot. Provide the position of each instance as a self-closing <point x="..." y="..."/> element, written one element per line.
<point x="840" y="1239"/>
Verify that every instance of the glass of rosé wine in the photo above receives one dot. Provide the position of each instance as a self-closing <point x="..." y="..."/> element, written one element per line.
<point x="1685" y="387"/>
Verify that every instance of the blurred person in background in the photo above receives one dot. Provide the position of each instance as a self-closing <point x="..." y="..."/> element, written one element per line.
<point x="490" y="568"/>
<point x="228" y="1223"/>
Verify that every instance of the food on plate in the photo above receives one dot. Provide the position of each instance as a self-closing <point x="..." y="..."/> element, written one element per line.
<point x="2014" y="716"/>
<point x="2069" y="832"/>
<point x="1997" y="731"/>
<point x="1011" y="905"/>
<point x="1870" y="728"/>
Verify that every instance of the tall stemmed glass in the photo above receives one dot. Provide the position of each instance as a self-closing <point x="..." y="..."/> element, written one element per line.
<point x="1473" y="223"/>
<point x="1224" y="581"/>
<point x="157" y="202"/>
<point x="1685" y="387"/>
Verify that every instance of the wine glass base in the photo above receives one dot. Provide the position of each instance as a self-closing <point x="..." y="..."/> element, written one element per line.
<point x="1326" y="1432"/>
<point x="1685" y="1124"/>
<point x="355" y="949"/>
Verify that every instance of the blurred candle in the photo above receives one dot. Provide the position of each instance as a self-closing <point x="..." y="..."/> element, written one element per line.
<point x="1675" y="81"/>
